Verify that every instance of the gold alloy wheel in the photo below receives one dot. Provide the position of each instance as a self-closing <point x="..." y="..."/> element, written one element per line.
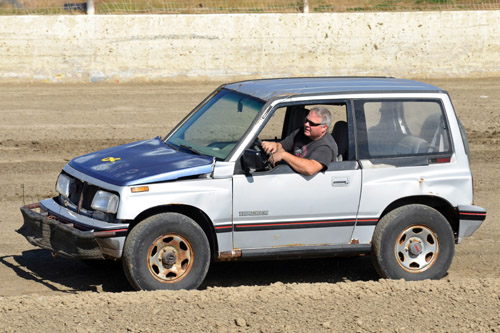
<point x="416" y="248"/>
<point x="170" y="258"/>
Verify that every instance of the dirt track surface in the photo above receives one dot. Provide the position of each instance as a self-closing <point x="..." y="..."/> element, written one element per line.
<point x="43" y="126"/>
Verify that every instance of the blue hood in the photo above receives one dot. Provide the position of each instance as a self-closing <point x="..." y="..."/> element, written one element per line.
<point x="141" y="162"/>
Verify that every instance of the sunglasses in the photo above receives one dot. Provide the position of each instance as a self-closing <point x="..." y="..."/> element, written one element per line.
<point x="311" y="123"/>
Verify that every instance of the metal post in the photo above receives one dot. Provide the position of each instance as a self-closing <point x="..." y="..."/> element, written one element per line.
<point x="306" y="6"/>
<point x="90" y="7"/>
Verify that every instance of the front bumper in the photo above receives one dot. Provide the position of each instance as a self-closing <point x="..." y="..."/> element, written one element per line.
<point x="44" y="228"/>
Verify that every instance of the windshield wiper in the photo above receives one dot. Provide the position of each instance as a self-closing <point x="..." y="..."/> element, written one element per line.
<point x="191" y="149"/>
<point x="172" y="146"/>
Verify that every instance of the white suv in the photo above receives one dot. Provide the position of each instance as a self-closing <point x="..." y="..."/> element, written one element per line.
<point x="400" y="190"/>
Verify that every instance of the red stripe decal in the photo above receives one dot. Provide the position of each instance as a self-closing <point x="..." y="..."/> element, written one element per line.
<point x="114" y="230"/>
<point x="292" y="223"/>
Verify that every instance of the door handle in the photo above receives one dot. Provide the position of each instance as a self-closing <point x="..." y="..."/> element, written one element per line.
<point x="340" y="181"/>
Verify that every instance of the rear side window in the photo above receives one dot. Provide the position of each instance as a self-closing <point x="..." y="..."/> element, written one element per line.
<point x="393" y="128"/>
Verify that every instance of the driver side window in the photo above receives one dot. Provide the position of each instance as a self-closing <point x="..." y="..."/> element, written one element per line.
<point x="287" y="119"/>
<point x="274" y="127"/>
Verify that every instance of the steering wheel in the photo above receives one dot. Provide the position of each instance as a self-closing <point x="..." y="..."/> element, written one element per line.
<point x="257" y="145"/>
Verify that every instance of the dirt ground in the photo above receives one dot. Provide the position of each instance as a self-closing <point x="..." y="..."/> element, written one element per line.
<point x="43" y="126"/>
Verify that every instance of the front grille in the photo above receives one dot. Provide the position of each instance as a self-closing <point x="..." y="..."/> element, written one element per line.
<point x="84" y="192"/>
<point x="80" y="199"/>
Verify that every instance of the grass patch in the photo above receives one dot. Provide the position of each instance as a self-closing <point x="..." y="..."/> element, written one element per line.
<point x="40" y="7"/>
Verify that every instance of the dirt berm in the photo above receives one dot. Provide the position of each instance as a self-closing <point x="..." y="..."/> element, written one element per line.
<point x="43" y="126"/>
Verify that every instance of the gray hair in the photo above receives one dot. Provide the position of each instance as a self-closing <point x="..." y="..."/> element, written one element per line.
<point x="324" y="113"/>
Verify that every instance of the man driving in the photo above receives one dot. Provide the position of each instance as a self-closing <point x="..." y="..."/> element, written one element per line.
<point x="307" y="150"/>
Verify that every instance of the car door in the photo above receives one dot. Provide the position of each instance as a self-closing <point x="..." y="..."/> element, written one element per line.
<point x="283" y="208"/>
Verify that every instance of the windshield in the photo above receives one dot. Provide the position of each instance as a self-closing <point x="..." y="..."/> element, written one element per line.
<point x="218" y="125"/>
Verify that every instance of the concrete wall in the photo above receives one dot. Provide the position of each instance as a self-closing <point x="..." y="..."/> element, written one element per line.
<point x="79" y="48"/>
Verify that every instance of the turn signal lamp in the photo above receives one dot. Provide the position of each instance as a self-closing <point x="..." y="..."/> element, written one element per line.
<point x="140" y="189"/>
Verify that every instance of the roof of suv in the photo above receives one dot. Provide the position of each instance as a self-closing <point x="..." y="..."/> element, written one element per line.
<point x="267" y="89"/>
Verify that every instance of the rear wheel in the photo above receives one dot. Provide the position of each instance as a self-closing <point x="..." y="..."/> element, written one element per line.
<point x="413" y="242"/>
<point x="166" y="251"/>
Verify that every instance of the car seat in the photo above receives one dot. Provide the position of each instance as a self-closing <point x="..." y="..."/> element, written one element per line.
<point x="341" y="136"/>
<point x="383" y="137"/>
<point x="294" y="118"/>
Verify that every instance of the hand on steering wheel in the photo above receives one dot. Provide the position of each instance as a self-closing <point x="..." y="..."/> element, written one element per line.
<point x="257" y="145"/>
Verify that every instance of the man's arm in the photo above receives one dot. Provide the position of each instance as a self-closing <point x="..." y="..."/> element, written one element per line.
<point x="301" y="165"/>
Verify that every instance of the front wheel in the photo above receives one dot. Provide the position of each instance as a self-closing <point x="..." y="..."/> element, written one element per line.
<point x="413" y="242"/>
<point x="166" y="251"/>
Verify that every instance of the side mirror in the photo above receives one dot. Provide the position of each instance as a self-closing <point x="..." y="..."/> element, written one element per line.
<point x="253" y="160"/>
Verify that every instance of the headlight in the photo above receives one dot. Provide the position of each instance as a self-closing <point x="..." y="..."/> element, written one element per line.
<point x="105" y="202"/>
<point x="63" y="184"/>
